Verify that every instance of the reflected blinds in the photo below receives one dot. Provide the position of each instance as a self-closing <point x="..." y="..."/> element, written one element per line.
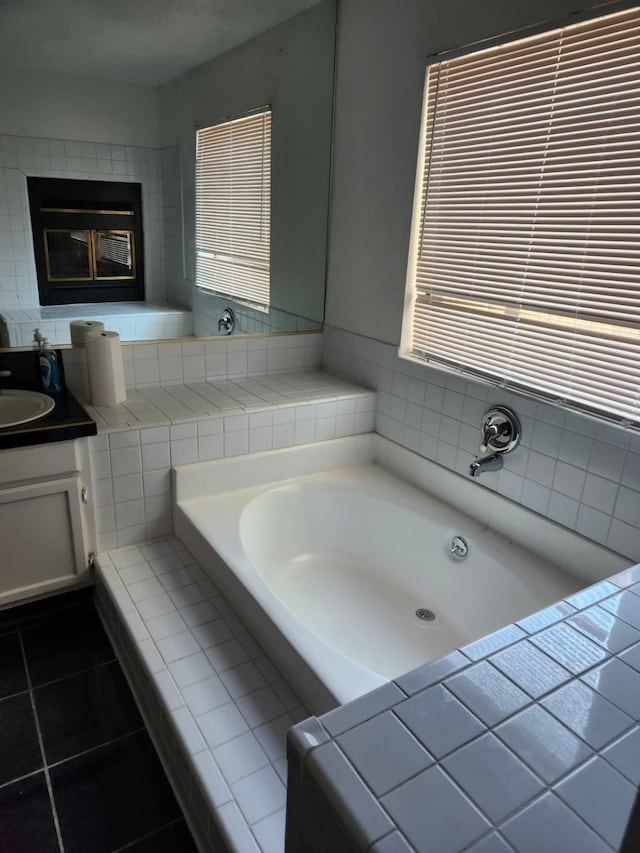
<point x="233" y="200"/>
<point x="525" y="259"/>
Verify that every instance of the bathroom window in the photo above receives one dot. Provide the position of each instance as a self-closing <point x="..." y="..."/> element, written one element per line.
<point x="233" y="209"/>
<point x="524" y="265"/>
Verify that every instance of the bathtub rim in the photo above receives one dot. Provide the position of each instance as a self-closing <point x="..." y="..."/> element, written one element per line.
<point x="540" y="535"/>
<point x="307" y="663"/>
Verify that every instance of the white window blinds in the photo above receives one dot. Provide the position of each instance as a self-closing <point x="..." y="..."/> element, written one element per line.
<point x="524" y="265"/>
<point x="233" y="208"/>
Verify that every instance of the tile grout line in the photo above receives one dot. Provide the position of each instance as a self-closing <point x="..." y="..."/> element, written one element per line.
<point x="153" y="832"/>
<point x="84" y="752"/>
<point x="47" y="777"/>
<point x="270" y="762"/>
<point x="20" y="778"/>
<point x="73" y="674"/>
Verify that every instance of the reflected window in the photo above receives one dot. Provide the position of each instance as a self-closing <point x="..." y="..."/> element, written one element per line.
<point x="233" y="209"/>
<point x="89" y="255"/>
<point x="114" y="255"/>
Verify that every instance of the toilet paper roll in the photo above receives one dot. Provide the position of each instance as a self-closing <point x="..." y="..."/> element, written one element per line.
<point x="106" y="370"/>
<point x="79" y="329"/>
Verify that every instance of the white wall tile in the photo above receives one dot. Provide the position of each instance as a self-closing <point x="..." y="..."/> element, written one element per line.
<point x="129" y="535"/>
<point x="569" y="467"/>
<point x="210" y="447"/>
<point x="156" y="456"/>
<point x="129" y="514"/>
<point x="599" y="493"/>
<point x="127" y="488"/>
<point x="184" y="451"/>
<point x="569" y="480"/>
<point x="125" y="461"/>
<point x="156" y="482"/>
<point x="236" y="443"/>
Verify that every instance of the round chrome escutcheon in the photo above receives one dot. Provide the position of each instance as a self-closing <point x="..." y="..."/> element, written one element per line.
<point x="459" y="547"/>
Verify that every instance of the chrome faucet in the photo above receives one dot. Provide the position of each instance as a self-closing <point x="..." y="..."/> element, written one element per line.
<point x="487" y="463"/>
<point x="500" y="433"/>
<point x="226" y="322"/>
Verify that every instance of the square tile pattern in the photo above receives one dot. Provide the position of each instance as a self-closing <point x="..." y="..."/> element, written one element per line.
<point x="226" y="705"/>
<point x="199" y="421"/>
<point x="573" y="470"/>
<point x="22" y="156"/>
<point x="78" y="769"/>
<point x="469" y="752"/>
<point x="526" y="745"/>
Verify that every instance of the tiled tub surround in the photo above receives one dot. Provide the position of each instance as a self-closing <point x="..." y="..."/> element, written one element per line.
<point x="160" y="427"/>
<point x="517" y="741"/>
<point x="215" y="706"/>
<point x="528" y="740"/>
<point x="134" y="321"/>
<point x="208" y="308"/>
<point x="170" y="363"/>
<point x="330" y="550"/>
<point x="582" y="473"/>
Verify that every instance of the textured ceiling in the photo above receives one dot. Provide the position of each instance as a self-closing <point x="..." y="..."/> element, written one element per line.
<point x="141" y="41"/>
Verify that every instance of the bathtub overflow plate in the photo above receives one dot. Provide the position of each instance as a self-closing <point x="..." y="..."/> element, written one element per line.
<point x="459" y="547"/>
<point x="424" y="614"/>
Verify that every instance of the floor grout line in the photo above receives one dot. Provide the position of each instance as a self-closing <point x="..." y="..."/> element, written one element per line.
<point x="153" y="832"/>
<point x="74" y="674"/>
<point x="21" y="778"/>
<point x="47" y="777"/>
<point x="55" y="764"/>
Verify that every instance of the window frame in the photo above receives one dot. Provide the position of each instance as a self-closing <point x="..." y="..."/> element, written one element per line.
<point x="407" y="350"/>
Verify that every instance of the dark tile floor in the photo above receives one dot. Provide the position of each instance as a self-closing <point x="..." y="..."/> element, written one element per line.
<point x="78" y="771"/>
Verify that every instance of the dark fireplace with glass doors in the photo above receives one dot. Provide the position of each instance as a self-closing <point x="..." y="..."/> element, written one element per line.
<point x="88" y="240"/>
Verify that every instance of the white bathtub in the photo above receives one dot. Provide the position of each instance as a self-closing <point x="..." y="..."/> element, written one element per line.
<point x="329" y="550"/>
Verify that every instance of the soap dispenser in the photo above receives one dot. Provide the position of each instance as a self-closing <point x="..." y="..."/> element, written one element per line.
<point x="49" y="370"/>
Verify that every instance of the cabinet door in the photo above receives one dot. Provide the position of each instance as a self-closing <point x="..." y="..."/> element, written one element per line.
<point x="41" y="539"/>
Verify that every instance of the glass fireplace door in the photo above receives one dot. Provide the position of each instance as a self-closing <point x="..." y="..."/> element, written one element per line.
<point x="88" y="240"/>
<point x="68" y="254"/>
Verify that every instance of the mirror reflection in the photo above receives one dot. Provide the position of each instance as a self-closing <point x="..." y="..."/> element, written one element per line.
<point x="288" y="70"/>
<point x="113" y="254"/>
<point x="67" y="254"/>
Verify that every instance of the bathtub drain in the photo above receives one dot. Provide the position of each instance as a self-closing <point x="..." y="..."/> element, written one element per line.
<point x="425" y="614"/>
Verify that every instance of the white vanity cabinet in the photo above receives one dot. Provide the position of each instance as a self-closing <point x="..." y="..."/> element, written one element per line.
<point x="44" y="528"/>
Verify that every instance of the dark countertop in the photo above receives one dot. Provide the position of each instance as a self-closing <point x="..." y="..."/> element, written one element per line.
<point x="67" y="421"/>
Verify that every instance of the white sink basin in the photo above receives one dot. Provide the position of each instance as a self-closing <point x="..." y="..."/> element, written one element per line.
<point x="20" y="407"/>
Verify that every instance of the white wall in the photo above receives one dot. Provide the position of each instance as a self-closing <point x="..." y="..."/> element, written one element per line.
<point x="383" y="47"/>
<point x="291" y="68"/>
<point x="63" y="106"/>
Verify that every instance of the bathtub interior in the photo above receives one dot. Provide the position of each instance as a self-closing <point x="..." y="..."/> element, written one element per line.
<point x="341" y="556"/>
<point x="365" y="562"/>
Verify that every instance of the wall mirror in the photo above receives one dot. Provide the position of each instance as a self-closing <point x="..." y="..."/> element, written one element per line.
<point x="290" y="68"/>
